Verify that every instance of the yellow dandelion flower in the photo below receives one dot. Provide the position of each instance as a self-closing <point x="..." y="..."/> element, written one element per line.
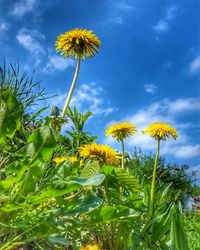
<point x="103" y="153"/>
<point x="121" y="130"/>
<point x="81" y="162"/>
<point x="58" y="160"/>
<point x="161" y="131"/>
<point x="78" y="43"/>
<point x="73" y="159"/>
<point x="90" y="247"/>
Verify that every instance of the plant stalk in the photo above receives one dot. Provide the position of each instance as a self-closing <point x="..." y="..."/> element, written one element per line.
<point x="122" y="141"/>
<point x="153" y="184"/>
<point x="67" y="102"/>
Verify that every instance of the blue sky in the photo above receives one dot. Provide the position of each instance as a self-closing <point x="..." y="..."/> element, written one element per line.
<point x="147" y="70"/>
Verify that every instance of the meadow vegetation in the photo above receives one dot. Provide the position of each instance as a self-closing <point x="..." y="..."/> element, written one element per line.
<point x="66" y="191"/>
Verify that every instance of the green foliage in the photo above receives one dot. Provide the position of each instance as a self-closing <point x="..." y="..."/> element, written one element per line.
<point x="10" y="114"/>
<point x="141" y="166"/>
<point x="26" y="91"/>
<point x="44" y="205"/>
<point x="77" y="137"/>
<point x="78" y="119"/>
<point x="17" y="94"/>
<point x="90" y="169"/>
<point x="192" y="224"/>
<point x="127" y="180"/>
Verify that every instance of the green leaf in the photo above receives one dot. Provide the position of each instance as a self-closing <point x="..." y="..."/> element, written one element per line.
<point x="71" y="185"/>
<point x="127" y="180"/>
<point x="90" y="169"/>
<point x="95" y="180"/>
<point x="10" y="113"/>
<point x="83" y="205"/>
<point x="56" y="239"/>
<point x="110" y="213"/>
<point x="161" y="223"/>
<point x="40" y="145"/>
<point x="178" y="235"/>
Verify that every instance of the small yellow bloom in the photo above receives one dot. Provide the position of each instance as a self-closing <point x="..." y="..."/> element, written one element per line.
<point x="78" y="43"/>
<point x="121" y="130"/>
<point x="90" y="247"/>
<point x="103" y="153"/>
<point x="73" y="159"/>
<point x="161" y="131"/>
<point x="81" y="162"/>
<point x="58" y="160"/>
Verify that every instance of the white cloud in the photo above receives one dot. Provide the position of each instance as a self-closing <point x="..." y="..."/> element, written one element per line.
<point x="187" y="151"/>
<point x="166" y="111"/>
<point x="183" y="105"/>
<point x="170" y="13"/>
<point x="150" y="88"/>
<point x="124" y="6"/>
<point x="114" y="20"/>
<point x="22" y="7"/>
<point x="87" y="97"/>
<point x="58" y="100"/>
<point x="4" y="26"/>
<point x="90" y="97"/>
<point x="195" y="65"/>
<point x="118" y="11"/>
<point x="30" y="40"/>
<point x="163" y="25"/>
<point x="58" y="63"/>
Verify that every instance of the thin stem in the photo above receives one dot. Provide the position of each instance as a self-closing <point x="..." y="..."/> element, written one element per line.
<point x="67" y="102"/>
<point x="122" y="141"/>
<point x="154" y="181"/>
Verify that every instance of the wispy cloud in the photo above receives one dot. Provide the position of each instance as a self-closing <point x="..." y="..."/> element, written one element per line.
<point x="22" y="7"/>
<point x="118" y="11"/>
<point x="195" y="65"/>
<point x="58" y="63"/>
<point x="184" y="105"/>
<point x="90" y="97"/>
<point x="187" y="151"/>
<point x="150" y="88"/>
<point x="170" y="13"/>
<point x="87" y="97"/>
<point x="167" y="111"/>
<point x="32" y="42"/>
<point x="163" y="25"/>
<point x="4" y="26"/>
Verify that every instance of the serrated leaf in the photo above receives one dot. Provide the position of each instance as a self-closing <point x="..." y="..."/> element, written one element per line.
<point x="127" y="180"/>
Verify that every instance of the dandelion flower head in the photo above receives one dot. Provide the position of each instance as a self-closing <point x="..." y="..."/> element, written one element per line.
<point x="59" y="160"/>
<point x="90" y="247"/>
<point x="121" y="130"/>
<point x="78" y="43"/>
<point x="161" y="131"/>
<point x="103" y="153"/>
<point x="71" y="159"/>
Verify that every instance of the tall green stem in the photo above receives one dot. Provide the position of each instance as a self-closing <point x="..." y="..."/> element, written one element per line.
<point x="122" y="141"/>
<point x="153" y="184"/>
<point x="67" y="102"/>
